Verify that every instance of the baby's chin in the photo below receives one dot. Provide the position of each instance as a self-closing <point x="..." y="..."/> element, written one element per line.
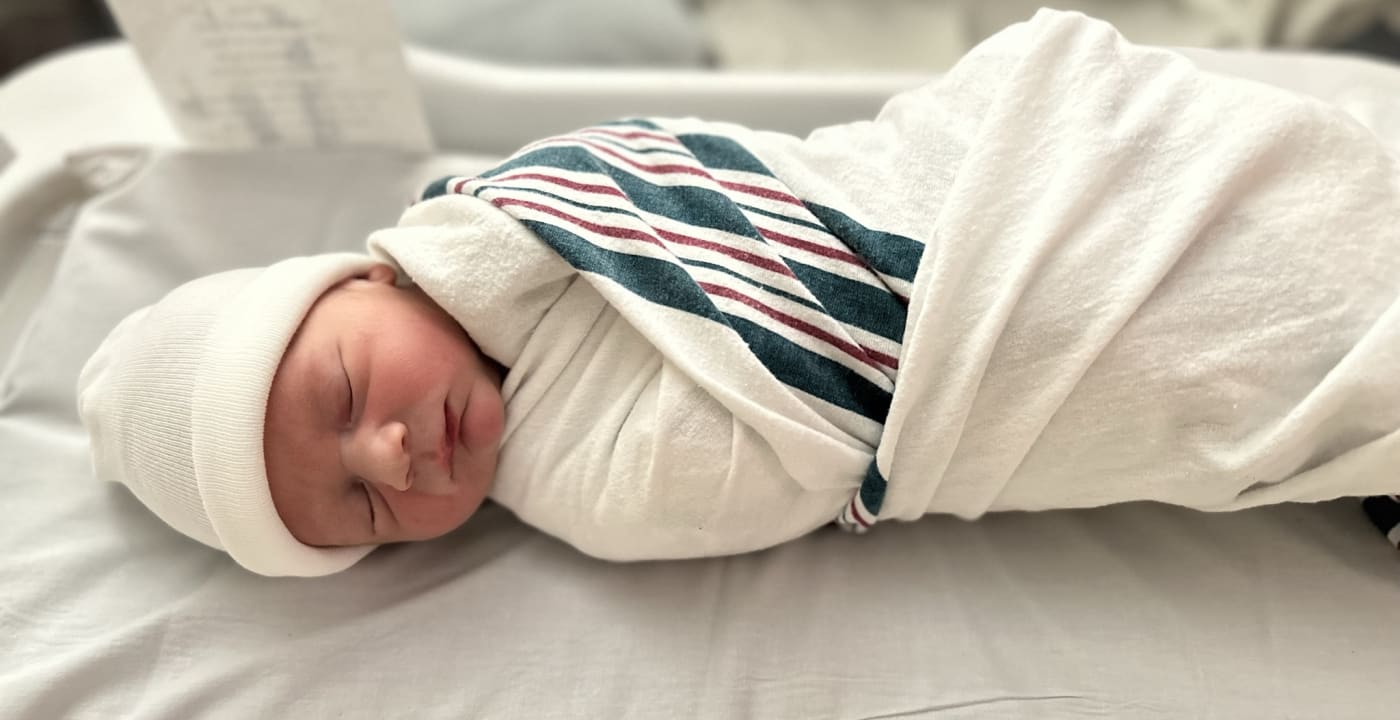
<point x="444" y="522"/>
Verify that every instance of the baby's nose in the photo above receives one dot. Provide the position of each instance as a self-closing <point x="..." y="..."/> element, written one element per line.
<point x="380" y="455"/>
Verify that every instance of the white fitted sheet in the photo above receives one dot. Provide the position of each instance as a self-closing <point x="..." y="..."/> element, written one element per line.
<point x="1134" y="611"/>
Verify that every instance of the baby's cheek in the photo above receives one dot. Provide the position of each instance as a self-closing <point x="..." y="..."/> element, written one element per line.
<point x="422" y="517"/>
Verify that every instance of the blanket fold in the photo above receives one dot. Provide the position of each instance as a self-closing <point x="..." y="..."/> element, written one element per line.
<point x="1070" y="273"/>
<point x="1165" y="285"/>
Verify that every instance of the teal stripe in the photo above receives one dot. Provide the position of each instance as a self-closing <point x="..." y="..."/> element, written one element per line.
<point x="872" y="489"/>
<point x="804" y="302"/>
<point x="436" y="188"/>
<point x="651" y="278"/>
<point x="861" y="305"/>
<point x="717" y="151"/>
<point x="634" y="122"/>
<point x="696" y="206"/>
<point x="808" y="276"/>
<point x="617" y="143"/>
<point x="785" y="218"/>
<point x="868" y="307"/>
<point x="561" y="199"/>
<point x="888" y="253"/>
<point x="798" y="367"/>
<point x="670" y="285"/>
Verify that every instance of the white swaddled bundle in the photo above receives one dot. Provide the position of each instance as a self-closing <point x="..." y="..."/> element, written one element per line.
<point x="1072" y="272"/>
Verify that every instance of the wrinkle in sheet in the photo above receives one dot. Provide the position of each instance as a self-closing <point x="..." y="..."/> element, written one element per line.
<point x="1034" y="700"/>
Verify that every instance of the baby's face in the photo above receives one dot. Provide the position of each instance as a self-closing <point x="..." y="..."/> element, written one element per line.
<point x="383" y="421"/>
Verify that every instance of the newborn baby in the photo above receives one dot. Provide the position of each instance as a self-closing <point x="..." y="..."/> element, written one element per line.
<point x="297" y="416"/>
<point x="1073" y="272"/>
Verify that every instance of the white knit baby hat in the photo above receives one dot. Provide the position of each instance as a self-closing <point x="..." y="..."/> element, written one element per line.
<point x="175" y="397"/>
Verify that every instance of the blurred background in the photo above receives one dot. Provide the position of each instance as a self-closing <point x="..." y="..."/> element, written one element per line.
<point x="906" y="35"/>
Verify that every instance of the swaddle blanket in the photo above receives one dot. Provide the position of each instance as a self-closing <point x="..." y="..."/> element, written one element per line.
<point x="1070" y="273"/>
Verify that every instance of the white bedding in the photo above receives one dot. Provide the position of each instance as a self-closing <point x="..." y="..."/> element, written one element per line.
<point x="1136" y="611"/>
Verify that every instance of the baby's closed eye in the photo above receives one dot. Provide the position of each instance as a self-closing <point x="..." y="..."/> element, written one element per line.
<point x="369" y="500"/>
<point x="348" y="407"/>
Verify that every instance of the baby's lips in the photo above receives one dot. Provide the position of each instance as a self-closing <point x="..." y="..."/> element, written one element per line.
<point x="448" y="444"/>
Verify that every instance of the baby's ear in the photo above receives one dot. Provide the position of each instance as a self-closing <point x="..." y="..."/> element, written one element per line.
<point x="380" y="273"/>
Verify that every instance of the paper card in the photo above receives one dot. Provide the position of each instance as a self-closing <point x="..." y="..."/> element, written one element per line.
<point x="278" y="73"/>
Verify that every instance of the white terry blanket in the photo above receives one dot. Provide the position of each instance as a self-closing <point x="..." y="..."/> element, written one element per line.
<point x="1132" y="281"/>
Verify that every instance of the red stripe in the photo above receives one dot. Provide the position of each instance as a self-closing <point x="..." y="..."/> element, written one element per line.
<point x="761" y="192"/>
<point x="632" y="134"/>
<point x="658" y="169"/>
<point x="584" y="187"/>
<point x="855" y="513"/>
<point x="629" y="233"/>
<point x="860" y="352"/>
<point x="748" y="257"/>
<point x="865" y="354"/>
<point x="457" y="186"/>
<point x="672" y="168"/>
<point x="889" y="362"/>
<point x="609" y="230"/>
<point x="811" y="247"/>
<point x="698" y="172"/>
<point x="775" y="236"/>
<point x="853" y="350"/>
<point x="577" y="136"/>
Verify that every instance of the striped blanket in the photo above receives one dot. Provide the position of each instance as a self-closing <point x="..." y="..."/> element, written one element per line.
<point x="685" y="217"/>
<point x="1073" y="272"/>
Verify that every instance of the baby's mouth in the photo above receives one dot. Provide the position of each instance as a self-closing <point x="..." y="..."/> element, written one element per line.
<point x="449" y="436"/>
